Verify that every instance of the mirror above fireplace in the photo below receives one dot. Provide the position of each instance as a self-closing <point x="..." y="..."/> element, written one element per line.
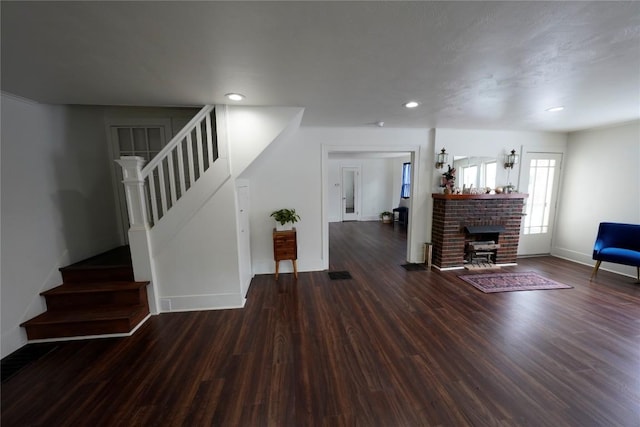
<point x="475" y="171"/>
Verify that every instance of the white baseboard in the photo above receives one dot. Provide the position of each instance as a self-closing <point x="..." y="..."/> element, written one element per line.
<point x="587" y="259"/>
<point x="93" y="337"/>
<point x="201" y="302"/>
<point x="571" y="255"/>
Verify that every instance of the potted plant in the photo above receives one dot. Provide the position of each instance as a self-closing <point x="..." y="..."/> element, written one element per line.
<point x="285" y="218"/>
<point x="449" y="180"/>
<point x="386" y="217"/>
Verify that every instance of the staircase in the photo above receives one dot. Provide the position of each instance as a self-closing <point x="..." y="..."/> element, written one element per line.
<point x="98" y="297"/>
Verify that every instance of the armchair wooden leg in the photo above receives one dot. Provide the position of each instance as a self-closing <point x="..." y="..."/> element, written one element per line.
<point x="595" y="269"/>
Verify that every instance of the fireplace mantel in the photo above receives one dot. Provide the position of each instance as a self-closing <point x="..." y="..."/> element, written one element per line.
<point x="479" y="196"/>
<point x="453" y="212"/>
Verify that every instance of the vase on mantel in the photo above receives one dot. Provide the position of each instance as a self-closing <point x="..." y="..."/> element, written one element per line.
<point x="446" y="190"/>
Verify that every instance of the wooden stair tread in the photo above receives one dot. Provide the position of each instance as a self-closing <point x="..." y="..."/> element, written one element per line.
<point x="117" y="257"/>
<point x="98" y="296"/>
<point x="95" y="267"/>
<point x="93" y="287"/>
<point x="89" y="315"/>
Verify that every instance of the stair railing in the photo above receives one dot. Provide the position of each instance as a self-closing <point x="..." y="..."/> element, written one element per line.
<point x="153" y="189"/>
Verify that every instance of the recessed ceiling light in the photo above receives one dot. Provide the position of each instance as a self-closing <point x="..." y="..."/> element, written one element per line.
<point x="235" y="96"/>
<point x="555" y="109"/>
<point x="411" y="104"/>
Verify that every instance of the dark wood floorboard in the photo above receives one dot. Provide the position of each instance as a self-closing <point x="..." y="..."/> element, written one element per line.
<point x="387" y="348"/>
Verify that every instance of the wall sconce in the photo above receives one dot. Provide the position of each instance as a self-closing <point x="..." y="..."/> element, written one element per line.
<point x="441" y="159"/>
<point x="510" y="160"/>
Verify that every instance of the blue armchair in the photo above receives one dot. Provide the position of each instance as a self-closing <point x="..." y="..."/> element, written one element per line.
<point x="617" y="243"/>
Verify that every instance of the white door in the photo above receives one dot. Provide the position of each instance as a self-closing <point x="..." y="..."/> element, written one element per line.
<point x="145" y="141"/>
<point x="244" y="238"/>
<point x="540" y="176"/>
<point x="350" y="193"/>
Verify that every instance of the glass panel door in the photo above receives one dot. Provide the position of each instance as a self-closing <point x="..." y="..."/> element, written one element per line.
<point x="540" y="178"/>
<point x="350" y="193"/>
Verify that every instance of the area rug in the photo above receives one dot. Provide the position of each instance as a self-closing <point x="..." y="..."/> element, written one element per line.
<point x="507" y="282"/>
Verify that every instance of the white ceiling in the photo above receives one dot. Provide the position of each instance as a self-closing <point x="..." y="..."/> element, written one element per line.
<point x="470" y="64"/>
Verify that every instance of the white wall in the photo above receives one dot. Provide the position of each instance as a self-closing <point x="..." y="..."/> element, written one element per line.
<point x="377" y="188"/>
<point x="601" y="183"/>
<point x="376" y="180"/>
<point x="199" y="264"/>
<point x="289" y="174"/>
<point x="252" y="129"/>
<point x="286" y="175"/>
<point x="494" y="143"/>
<point x="57" y="202"/>
<point x="198" y="268"/>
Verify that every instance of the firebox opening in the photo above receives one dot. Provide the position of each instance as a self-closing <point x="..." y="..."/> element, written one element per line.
<point x="481" y="243"/>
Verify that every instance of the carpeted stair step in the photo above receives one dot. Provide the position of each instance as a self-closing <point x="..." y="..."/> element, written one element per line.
<point x="77" y="296"/>
<point x="77" y="323"/>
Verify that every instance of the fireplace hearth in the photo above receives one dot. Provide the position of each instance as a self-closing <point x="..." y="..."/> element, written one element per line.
<point x="481" y="251"/>
<point x="475" y="229"/>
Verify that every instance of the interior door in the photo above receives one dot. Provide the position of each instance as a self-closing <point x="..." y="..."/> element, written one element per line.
<point x="540" y="176"/>
<point x="244" y="249"/>
<point x="144" y="141"/>
<point x="350" y="193"/>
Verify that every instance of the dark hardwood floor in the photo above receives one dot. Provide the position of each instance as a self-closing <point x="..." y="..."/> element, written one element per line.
<point x="387" y="348"/>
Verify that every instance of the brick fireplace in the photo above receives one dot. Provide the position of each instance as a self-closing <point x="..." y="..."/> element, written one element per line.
<point x="455" y="214"/>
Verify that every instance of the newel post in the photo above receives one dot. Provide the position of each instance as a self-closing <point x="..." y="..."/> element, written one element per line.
<point x="139" y="232"/>
<point x="134" y="191"/>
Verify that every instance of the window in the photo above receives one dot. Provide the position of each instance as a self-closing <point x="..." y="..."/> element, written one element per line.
<point x="470" y="177"/>
<point x="490" y="175"/>
<point x="405" y="192"/>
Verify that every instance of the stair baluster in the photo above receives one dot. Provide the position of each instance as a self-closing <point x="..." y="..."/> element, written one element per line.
<point x="168" y="176"/>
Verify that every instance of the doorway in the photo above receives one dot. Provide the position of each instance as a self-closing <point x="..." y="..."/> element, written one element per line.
<point x="350" y="193"/>
<point x="331" y="211"/>
<point x="144" y="140"/>
<point x="540" y="177"/>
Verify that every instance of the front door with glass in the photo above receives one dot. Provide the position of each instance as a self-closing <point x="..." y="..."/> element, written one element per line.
<point x="540" y="179"/>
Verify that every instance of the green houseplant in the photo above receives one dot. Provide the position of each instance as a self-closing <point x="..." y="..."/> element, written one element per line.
<point x="386" y="216"/>
<point x="285" y="218"/>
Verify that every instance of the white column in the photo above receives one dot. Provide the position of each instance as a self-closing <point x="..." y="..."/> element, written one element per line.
<point x="139" y="232"/>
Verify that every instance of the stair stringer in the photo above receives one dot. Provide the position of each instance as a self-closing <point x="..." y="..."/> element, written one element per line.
<point x="189" y="205"/>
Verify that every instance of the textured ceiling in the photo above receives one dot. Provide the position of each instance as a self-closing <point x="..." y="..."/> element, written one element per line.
<point x="470" y="64"/>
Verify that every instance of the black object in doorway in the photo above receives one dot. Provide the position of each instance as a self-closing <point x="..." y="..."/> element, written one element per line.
<point x="414" y="267"/>
<point x="339" y="275"/>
